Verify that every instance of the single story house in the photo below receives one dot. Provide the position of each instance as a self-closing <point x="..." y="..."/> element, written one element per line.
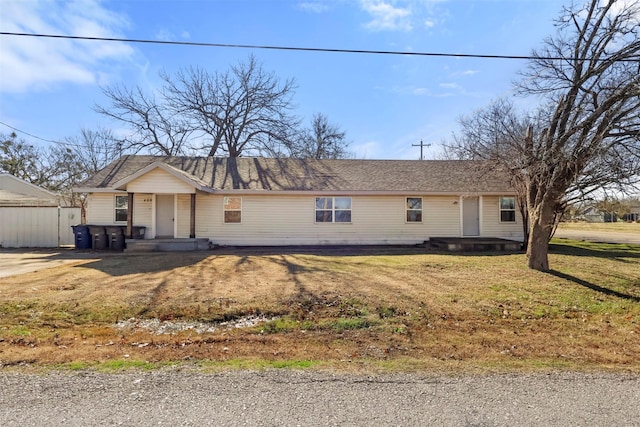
<point x="31" y="216"/>
<point x="284" y="201"/>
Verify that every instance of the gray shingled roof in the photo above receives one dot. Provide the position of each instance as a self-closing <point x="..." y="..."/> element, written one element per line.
<point x="269" y="174"/>
<point x="8" y="198"/>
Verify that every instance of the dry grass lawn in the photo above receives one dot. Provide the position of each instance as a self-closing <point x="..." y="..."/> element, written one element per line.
<point x="342" y="308"/>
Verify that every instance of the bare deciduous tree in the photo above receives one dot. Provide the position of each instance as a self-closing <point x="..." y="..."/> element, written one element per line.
<point x="323" y="140"/>
<point x="592" y="138"/>
<point x="155" y="127"/>
<point x="244" y="109"/>
<point x="497" y="133"/>
<point x="586" y="136"/>
<point x="94" y="148"/>
<point x="80" y="157"/>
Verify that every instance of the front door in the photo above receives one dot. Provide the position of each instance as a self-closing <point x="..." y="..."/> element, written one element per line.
<point x="471" y="216"/>
<point x="164" y="216"/>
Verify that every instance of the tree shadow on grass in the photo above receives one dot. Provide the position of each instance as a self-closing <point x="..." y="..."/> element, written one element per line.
<point x="125" y="264"/>
<point x="593" y="286"/>
<point x="618" y="251"/>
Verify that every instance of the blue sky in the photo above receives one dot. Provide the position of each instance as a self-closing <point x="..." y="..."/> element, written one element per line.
<point x="385" y="103"/>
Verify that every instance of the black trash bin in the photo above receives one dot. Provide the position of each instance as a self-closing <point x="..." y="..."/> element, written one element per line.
<point x="116" y="237"/>
<point x="82" y="238"/>
<point x="137" y="232"/>
<point x="116" y="242"/>
<point x="99" y="237"/>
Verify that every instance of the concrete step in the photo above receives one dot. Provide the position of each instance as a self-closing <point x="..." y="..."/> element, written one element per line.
<point x="166" y="245"/>
<point x="475" y="244"/>
<point x="140" y="246"/>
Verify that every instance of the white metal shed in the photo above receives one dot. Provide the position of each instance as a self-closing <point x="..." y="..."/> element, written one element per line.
<point x="31" y="216"/>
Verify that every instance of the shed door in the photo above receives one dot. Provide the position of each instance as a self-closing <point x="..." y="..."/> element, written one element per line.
<point x="471" y="216"/>
<point x="164" y="216"/>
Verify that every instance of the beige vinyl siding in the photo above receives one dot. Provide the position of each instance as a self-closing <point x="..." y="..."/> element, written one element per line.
<point x="290" y="220"/>
<point x="207" y="206"/>
<point x="491" y="225"/>
<point x="159" y="181"/>
<point x="184" y="215"/>
<point x="143" y="213"/>
<point x="279" y="219"/>
<point x="441" y="215"/>
<point x="100" y="208"/>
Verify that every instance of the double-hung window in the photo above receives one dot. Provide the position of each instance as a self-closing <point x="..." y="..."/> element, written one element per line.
<point x="232" y="210"/>
<point x="507" y="209"/>
<point x="333" y="209"/>
<point x="414" y="209"/>
<point x="121" y="208"/>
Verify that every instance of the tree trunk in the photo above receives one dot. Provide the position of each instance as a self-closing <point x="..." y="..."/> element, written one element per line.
<point x="541" y="225"/>
<point x="522" y="207"/>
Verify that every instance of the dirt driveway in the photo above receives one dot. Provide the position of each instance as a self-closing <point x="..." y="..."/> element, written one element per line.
<point x="20" y="261"/>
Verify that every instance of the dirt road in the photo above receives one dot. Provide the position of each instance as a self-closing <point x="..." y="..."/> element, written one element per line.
<point x="599" y="236"/>
<point x="281" y="397"/>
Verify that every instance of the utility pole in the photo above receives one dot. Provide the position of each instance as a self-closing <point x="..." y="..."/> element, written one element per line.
<point x="421" y="145"/>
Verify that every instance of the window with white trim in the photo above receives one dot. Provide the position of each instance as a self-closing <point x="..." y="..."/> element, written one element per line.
<point x="333" y="209"/>
<point x="508" y="209"/>
<point x="232" y="210"/>
<point x="121" y="208"/>
<point x="414" y="209"/>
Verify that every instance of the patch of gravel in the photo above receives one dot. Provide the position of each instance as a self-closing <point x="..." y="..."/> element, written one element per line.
<point x="160" y="327"/>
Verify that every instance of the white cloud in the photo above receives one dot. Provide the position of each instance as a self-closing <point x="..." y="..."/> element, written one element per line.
<point x="38" y="63"/>
<point x="403" y="15"/>
<point x="448" y="89"/>
<point x="313" y="7"/>
<point x="625" y="6"/>
<point x="366" y="150"/>
<point x="421" y="91"/>
<point x="463" y="73"/>
<point x="385" y="16"/>
<point x="166" y="35"/>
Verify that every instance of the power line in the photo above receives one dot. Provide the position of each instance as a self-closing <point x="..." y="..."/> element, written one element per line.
<point x="291" y="48"/>
<point x="66" y="144"/>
